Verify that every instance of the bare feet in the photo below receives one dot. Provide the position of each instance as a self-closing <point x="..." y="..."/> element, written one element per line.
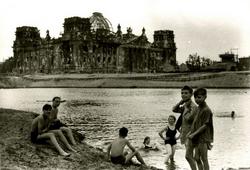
<point x="73" y="150"/>
<point x="65" y="154"/>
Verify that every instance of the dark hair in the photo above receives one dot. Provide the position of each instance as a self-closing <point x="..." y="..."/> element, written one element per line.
<point x="123" y="132"/>
<point x="188" y="88"/>
<point x="57" y="97"/>
<point x="172" y="117"/>
<point x="47" y="107"/>
<point x="200" y="91"/>
<point x="145" y="139"/>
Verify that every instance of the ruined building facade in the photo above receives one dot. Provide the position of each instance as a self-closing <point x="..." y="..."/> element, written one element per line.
<point x="89" y="45"/>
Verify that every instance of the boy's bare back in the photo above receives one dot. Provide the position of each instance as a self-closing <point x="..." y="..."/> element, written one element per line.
<point x="117" y="147"/>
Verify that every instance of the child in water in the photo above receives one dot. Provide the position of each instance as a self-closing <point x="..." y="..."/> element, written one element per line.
<point x="147" y="146"/>
<point x="169" y="138"/>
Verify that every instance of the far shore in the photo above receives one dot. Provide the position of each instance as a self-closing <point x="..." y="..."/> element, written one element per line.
<point x="235" y="79"/>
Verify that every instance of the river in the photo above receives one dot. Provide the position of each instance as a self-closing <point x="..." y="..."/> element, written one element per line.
<point x="101" y="112"/>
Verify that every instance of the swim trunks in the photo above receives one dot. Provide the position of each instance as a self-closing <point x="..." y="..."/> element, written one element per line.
<point x="118" y="160"/>
<point x="33" y="137"/>
<point x="56" y="125"/>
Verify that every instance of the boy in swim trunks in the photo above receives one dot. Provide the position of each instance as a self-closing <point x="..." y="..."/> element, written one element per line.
<point x="55" y="123"/>
<point x="40" y="131"/>
<point x="116" y="149"/>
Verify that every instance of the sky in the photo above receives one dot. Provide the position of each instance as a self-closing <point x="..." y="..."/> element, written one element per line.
<point x="205" y="27"/>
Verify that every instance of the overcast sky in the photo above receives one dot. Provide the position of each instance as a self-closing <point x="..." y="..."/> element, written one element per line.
<point x="208" y="28"/>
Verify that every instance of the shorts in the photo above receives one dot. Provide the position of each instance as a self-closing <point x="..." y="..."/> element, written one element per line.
<point x="33" y="137"/>
<point x="56" y="125"/>
<point x="118" y="160"/>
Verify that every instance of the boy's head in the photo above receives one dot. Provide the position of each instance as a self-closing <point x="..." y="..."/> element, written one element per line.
<point x="123" y="132"/>
<point x="46" y="109"/>
<point x="200" y="95"/>
<point x="56" y="101"/>
<point x="186" y="93"/>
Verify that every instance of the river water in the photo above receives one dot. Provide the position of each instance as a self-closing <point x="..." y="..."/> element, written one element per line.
<point x="99" y="113"/>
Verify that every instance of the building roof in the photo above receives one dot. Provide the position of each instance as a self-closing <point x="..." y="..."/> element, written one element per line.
<point x="98" y="21"/>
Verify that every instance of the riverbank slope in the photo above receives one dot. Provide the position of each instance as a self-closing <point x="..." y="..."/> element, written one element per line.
<point x="136" y="80"/>
<point x="17" y="152"/>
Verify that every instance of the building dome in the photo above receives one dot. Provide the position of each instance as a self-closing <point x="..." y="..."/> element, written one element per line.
<point x="98" y="21"/>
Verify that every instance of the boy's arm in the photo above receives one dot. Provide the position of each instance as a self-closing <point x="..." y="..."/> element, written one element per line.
<point x="177" y="108"/>
<point x="191" y="115"/>
<point x="130" y="146"/>
<point x="203" y="127"/>
<point x="207" y="116"/>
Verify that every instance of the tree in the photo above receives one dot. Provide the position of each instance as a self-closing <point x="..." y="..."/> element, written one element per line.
<point x="193" y="62"/>
<point x="8" y="65"/>
<point x="197" y="63"/>
<point x="206" y="62"/>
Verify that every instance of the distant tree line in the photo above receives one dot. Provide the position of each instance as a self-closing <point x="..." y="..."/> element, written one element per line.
<point x="197" y="63"/>
<point x="7" y="66"/>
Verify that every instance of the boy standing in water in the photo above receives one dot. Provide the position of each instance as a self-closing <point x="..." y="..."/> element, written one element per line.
<point x="188" y="109"/>
<point x="40" y="131"/>
<point x="116" y="149"/>
<point x="202" y="130"/>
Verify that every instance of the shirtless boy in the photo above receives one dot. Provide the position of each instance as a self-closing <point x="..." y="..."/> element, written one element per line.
<point x="40" y="131"/>
<point x="116" y="149"/>
<point x="56" y="101"/>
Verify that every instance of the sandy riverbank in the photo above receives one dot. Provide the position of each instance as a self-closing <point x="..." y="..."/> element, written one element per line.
<point x="167" y="80"/>
<point x="17" y="152"/>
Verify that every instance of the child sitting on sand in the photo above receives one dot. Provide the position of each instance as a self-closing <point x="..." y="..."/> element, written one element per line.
<point x="116" y="149"/>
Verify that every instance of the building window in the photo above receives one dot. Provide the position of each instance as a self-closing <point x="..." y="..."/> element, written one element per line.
<point x="109" y="60"/>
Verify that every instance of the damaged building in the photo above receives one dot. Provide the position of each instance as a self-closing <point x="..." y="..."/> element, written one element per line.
<point x="89" y="45"/>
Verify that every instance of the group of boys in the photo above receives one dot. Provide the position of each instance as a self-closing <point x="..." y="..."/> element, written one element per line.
<point x="48" y="127"/>
<point x="196" y="129"/>
<point x="195" y="125"/>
